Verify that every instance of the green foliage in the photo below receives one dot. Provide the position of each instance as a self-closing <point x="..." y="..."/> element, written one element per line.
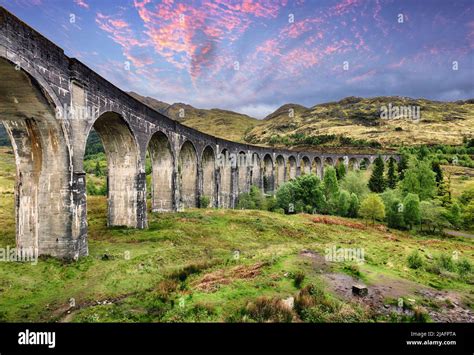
<point x="395" y="216"/>
<point x="392" y="176"/>
<point x="463" y="267"/>
<point x="204" y="201"/>
<point x="436" y="167"/>
<point x="354" y="206"/>
<point x="344" y="203"/>
<point x="419" y="179"/>
<point x="93" y="190"/>
<point x="340" y="170"/>
<point x="94" y="145"/>
<point x="372" y="208"/>
<point x="298" y="278"/>
<point x="414" y="260"/>
<point x="377" y="181"/>
<point x="445" y="262"/>
<point x="285" y="196"/>
<point x="331" y="189"/>
<point x="411" y="210"/>
<point x="355" y="182"/>
<point x="454" y="216"/>
<point x="402" y="165"/>
<point x="304" y="194"/>
<point x="468" y="215"/>
<point x="433" y="216"/>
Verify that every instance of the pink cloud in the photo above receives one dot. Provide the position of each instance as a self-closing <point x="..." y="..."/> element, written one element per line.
<point x="362" y="77"/>
<point x="82" y="3"/>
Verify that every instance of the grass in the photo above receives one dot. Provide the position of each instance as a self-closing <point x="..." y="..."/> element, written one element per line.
<point x="208" y="265"/>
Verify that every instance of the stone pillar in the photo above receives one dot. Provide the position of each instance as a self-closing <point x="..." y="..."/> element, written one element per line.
<point x="142" y="221"/>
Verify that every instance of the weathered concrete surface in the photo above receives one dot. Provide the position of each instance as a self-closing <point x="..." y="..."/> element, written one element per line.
<point x="49" y="103"/>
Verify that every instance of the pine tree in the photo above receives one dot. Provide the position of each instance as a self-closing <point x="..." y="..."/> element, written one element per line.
<point x="436" y="167"/>
<point x="331" y="189"/>
<point x="402" y="166"/>
<point x="392" y="177"/>
<point x="377" y="181"/>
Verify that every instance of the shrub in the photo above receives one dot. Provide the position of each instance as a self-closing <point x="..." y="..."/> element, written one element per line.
<point x="414" y="260"/>
<point x="265" y="309"/>
<point x="298" y="279"/>
<point x="463" y="267"/>
<point x="204" y="202"/>
<point x="445" y="262"/>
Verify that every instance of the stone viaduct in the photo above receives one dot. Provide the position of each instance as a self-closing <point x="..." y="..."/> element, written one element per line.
<point x="49" y="103"/>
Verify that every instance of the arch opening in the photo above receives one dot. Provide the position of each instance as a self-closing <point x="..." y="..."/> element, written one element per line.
<point x="268" y="176"/>
<point x="280" y="171"/>
<point x="305" y="166"/>
<point x="122" y="169"/>
<point x="291" y="172"/>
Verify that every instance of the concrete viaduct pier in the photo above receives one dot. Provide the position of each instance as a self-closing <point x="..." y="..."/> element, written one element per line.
<point x="49" y="103"/>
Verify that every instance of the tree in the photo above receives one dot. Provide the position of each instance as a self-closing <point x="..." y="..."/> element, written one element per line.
<point x="402" y="166"/>
<point x="285" y="196"/>
<point x="340" y="170"/>
<point x="353" y="206"/>
<point x="372" y="208"/>
<point x="454" y="215"/>
<point x="395" y="214"/>
<point x="308" y="190"/>
<point x="355" y="183"/>
<point x="468" y="215"/>
<point x="392" y="176"/>
<point x="419" y="179"/>
<point x="411" y="210"/>
<point x="331" y="189"/>
<point x="377" y="181"/>
<point x="436" y="167"/>
<point x="433" y="216"/>
<point x="343" y="203"/>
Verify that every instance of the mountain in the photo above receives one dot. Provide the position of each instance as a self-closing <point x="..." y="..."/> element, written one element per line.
<point x="356" y="121"/>
<point x="220" y="123"/>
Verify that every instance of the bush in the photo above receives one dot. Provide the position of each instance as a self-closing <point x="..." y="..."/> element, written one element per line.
<point x="414" y="260"/>
<point x="445" y="262"/>
<point x="464" y="268"/>
<point x="204" y="202"/>
<point x="265" y="309"/>
<point x="298" y="279"/>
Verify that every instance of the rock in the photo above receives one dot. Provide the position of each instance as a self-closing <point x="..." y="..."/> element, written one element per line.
<point x="289" y="302"/>
<point x="386" y="306"/>
<point x="105" y="257"/>
<point x="359" y="290"/>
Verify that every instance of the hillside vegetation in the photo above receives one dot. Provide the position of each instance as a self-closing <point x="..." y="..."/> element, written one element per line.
<point x="220" y="123"/>
<point x="358" y="120"/>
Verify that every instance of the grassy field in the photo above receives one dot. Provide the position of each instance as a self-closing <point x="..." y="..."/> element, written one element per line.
<point x="235" y="266"/>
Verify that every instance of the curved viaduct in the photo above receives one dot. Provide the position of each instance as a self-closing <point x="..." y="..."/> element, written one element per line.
<point x="49" y="103"/>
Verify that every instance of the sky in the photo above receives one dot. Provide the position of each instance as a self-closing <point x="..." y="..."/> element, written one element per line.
<point x="252" y="56"/>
